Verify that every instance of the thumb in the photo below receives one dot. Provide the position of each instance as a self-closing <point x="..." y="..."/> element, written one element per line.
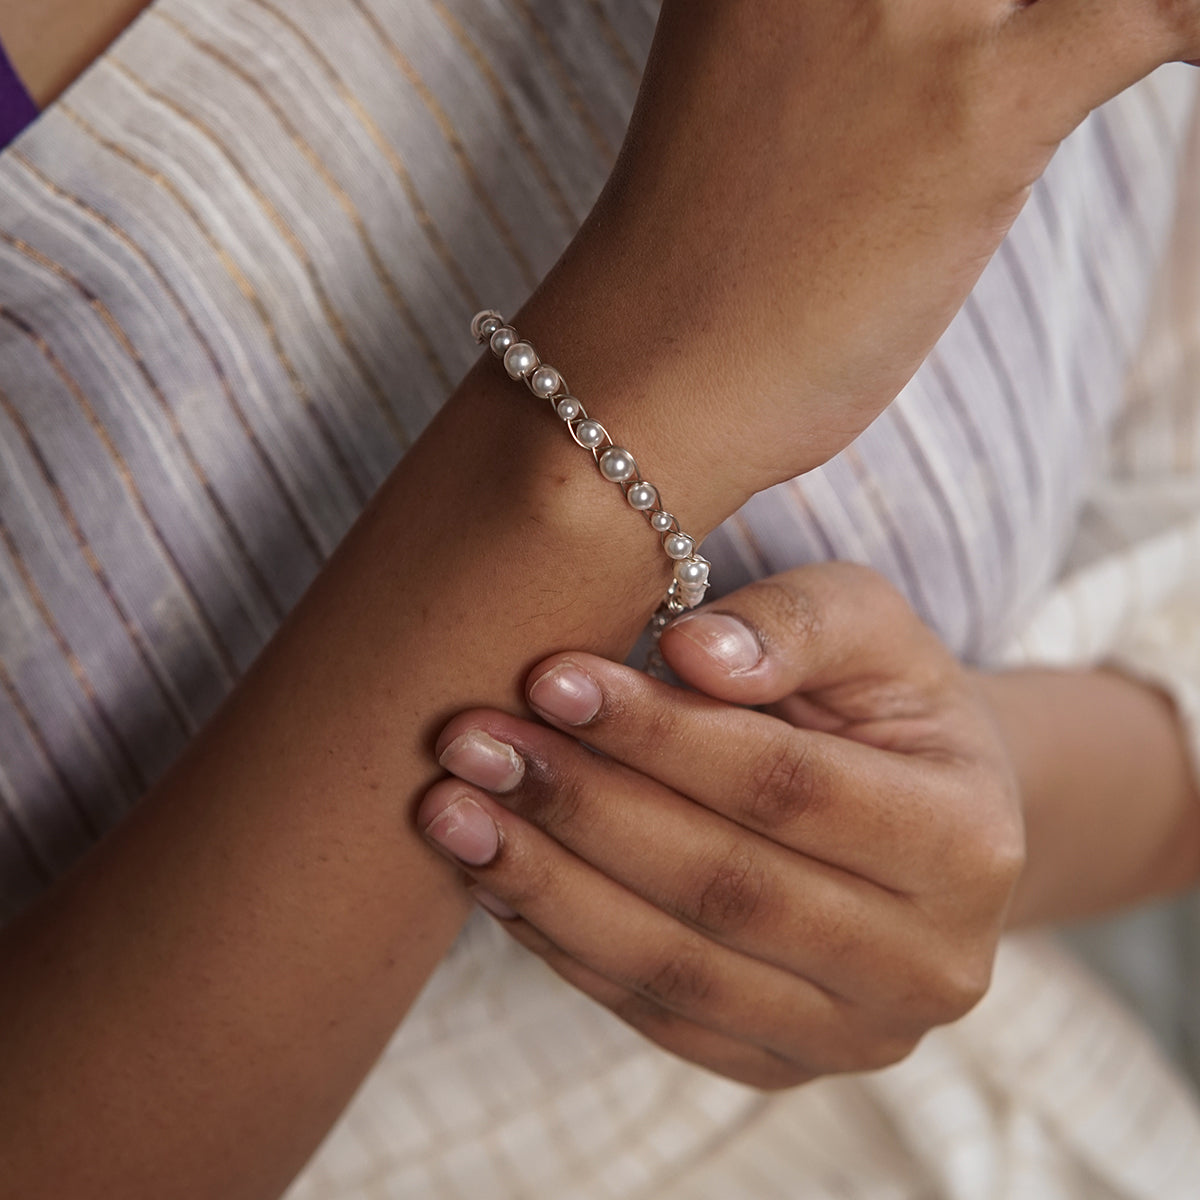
<point x="814" y="629"/>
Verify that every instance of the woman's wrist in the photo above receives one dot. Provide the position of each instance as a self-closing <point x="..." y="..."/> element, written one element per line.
<point x="1111" y="808"/>
<point x="652" y="399"/>
<point x="685" y="398"/>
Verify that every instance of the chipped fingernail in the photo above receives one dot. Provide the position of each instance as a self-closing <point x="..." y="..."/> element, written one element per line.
<point x="494" y="905"/>
<point x="725" y="639"/>
<point x="464" y="830"/>
<point x="567" y="694"/>
<point x="477" y="757"/>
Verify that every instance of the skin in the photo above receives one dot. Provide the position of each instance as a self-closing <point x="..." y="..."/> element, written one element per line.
<point x="1111" y="811"/>
<point x="782" y="894"/>
<point x="51" y="42"/>
<point x="197" y="1002"/>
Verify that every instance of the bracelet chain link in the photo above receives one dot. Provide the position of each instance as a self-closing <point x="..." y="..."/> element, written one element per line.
<point x="615" y="464"/>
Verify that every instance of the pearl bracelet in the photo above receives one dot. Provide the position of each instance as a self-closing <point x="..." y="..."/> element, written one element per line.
<point x="616" y="465"/>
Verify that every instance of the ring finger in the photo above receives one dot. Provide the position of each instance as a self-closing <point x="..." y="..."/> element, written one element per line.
<point x="726" y="883"/>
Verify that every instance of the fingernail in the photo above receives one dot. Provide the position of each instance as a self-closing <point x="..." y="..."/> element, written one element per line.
<point x="466" y="831"/>
<point x="567" y="694"/>
<point x="494" y="905"/>
<point x="725" y="639"/>
<point x="477" y="757"/>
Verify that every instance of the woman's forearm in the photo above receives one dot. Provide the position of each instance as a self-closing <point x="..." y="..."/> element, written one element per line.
<point x="197" y="1002"/>
<point x="1111" y="808"/>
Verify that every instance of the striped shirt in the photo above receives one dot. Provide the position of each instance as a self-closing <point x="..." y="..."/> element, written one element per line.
<point x="236" y="262"/>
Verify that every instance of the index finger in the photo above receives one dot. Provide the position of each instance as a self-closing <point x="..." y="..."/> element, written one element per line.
<point x="883" y="816"/>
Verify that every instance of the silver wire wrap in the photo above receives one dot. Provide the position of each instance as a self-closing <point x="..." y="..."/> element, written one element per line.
<point x="615" y="464"/>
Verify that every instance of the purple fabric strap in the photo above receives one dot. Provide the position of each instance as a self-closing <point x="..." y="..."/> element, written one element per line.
<point x="17" y="108"/>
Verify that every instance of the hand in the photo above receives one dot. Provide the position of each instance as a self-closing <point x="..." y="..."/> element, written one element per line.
<point x="777" y="895"/>
<point x="807" y="193"/>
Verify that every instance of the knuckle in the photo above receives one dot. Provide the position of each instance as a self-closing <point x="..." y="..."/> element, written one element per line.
<point x="644" y="1014"/>
<point x="644" y="731"/>
<point x="1002" y="859"/>
<point x="526" y="880"/>
<point x="789" y="610"/>
<point x="866" y="1040"/>
<point x="988" y="856"/>
<point x="886" y="1051"/>
<point x="550" y="798"/>
<point x="962" y="987"/>
<point x="682" y="982"/>
<point x="729" y="895"/>
<point x="781" y="784"/>
<point x="936" y="985"/>
<point x="951" y="989"/>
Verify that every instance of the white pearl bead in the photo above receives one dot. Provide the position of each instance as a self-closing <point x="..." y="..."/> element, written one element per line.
<point x="588" y="433"/>
<point x="642" y="496"/>
<point x="520" y="359"/>
<point x="503" y="339"/>
<point x="678" y="545"/>
<point x="568" y="408"/>
<point x="545" y="381"/>
<point x="692" y="573"/>
<point x="479" y="323"/>
<point x="617" y="465"/>
<point x="661" y="521"/>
